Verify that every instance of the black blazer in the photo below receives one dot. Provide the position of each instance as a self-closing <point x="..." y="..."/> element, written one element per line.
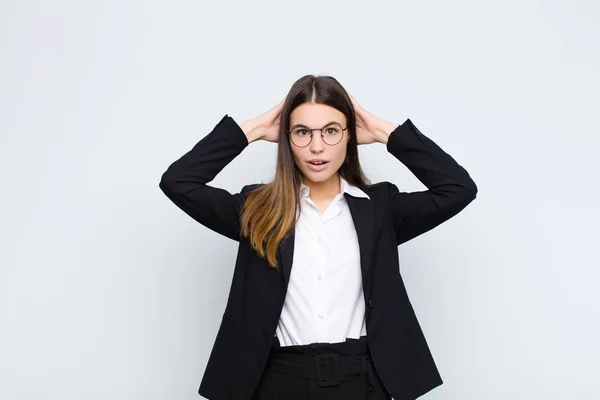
<point x="389" y="218"/>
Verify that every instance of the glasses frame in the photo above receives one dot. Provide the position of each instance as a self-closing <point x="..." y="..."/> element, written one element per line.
<point x="322" y="136"/>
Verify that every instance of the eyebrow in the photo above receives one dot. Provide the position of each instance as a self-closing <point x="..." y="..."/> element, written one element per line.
<point x="305" y="126"/>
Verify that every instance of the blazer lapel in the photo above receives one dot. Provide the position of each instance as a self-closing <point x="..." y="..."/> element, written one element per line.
<point x="363" y="217"/>
<point x="286" y="256"/>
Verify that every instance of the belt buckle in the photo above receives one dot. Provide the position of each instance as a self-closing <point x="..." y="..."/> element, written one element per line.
<point x="334" y="363"/>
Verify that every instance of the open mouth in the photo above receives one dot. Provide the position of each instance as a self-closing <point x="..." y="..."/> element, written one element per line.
<point x="317" y="165"/>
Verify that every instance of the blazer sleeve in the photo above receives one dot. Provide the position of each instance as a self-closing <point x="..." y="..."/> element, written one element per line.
<point x="185" y="182"/>
<point x="450" y="188"/>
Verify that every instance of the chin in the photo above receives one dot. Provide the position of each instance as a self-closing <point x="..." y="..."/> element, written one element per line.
<point x="316" y="177"/>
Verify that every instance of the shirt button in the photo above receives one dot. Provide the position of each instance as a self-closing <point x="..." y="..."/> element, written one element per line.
<point x="319" y="277"/>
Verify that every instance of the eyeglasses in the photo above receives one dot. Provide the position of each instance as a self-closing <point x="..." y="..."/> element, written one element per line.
<point x="332" y="134"/>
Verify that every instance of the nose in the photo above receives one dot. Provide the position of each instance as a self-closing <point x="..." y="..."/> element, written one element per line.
<point x="317" y="145"/>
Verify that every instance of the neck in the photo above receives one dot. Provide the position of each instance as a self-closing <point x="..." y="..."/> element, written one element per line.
<point x="324" y="190"/>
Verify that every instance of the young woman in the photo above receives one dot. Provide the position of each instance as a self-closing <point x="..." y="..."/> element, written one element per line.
<point x="317" y="307"/>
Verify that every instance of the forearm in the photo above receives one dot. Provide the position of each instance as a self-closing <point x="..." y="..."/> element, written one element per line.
<point x="383" y="131"/>
<point x="185" y="182"/>
<point x="249" y="129"/>
<point x="435" y="168"/>
<point x="207" y="158"/>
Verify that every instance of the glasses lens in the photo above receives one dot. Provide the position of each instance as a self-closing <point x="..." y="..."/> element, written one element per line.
<point x="332" y="134"/>
<point x="301" y="136"/>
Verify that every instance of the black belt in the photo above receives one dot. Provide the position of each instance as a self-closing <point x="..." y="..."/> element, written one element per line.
<point x="328" y="369"/>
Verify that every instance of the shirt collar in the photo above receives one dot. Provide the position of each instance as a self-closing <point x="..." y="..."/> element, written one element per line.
<point x="345" y="187"/>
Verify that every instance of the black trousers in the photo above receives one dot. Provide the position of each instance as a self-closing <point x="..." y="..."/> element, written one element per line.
<point x="320" y="371"/>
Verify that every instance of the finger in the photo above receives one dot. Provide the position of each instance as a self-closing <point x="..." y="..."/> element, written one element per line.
<point x="357" y="107"/>
<point x="353" y="99"/>
<point x="275" y="112"/>
<point x="279" y="107"/>
<point x="280" y="104"/>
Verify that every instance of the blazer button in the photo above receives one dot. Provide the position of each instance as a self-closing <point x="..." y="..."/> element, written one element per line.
<point x="370" y="304"/>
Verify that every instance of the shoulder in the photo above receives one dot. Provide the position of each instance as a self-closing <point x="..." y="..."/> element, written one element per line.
<point x="246" y="189"/>
<point x="383" y="188"/>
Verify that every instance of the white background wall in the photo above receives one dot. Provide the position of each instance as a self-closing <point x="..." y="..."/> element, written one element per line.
<point x="108" y="291"/>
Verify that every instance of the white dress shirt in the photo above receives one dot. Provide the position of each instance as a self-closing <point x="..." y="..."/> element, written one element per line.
<point x="324" y="301"/>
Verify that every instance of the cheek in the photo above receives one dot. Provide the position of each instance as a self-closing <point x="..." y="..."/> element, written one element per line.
<point x="296" y="155"/>
<point x="341" y="156"/>
<point x="297" y="158"/>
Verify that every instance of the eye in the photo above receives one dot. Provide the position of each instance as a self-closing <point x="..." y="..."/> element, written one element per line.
<point x="332" y="130"/>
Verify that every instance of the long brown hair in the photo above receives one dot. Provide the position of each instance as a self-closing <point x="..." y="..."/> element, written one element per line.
<point x="269" y="212"/>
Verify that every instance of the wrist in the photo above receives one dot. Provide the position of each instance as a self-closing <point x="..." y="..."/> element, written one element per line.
<point x="250" y="130"/>
<point x="383" y="131"/>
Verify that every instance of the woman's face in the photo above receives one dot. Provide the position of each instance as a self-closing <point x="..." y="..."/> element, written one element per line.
<point x="317" y="116"/>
